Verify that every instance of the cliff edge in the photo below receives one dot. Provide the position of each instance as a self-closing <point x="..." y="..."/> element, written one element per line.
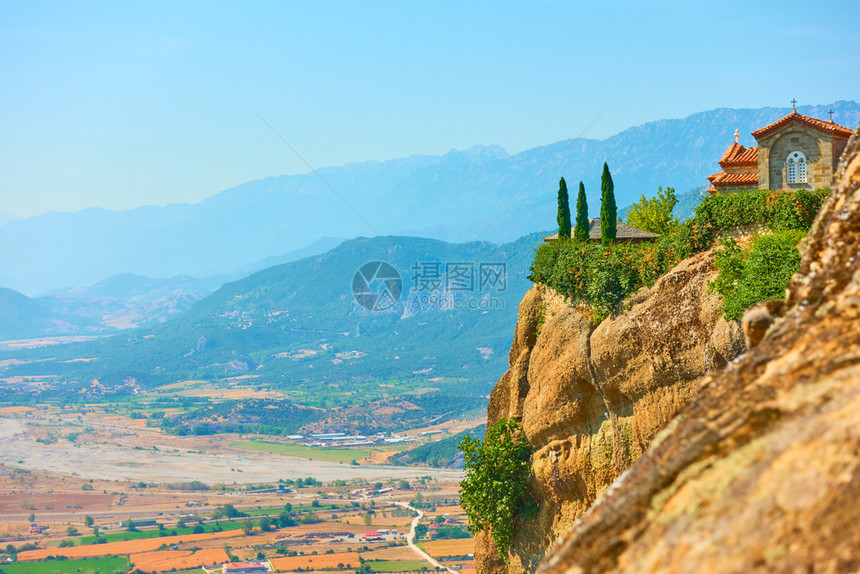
<point x="591" y="399"/>
<point x="761" y="471"/>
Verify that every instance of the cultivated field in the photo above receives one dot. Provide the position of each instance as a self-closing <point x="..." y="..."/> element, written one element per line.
<point x="111" y="565"/>
<point x="344" y="560"/>
<point x="443" y="548"/>
<point x="165" y="560"/>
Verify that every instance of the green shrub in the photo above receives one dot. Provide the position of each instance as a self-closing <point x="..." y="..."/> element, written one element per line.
<point x="495" y="489"/>
<point x="756" y="274"/>
<point x="599" y="277"/>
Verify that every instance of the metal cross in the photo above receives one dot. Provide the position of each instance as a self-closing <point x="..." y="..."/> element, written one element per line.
<point x="794" y="104"/>
<point x="831" y="116"/>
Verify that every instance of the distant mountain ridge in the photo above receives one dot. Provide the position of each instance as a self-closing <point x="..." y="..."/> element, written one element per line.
<point x="481" y="193"/>
<point x="298" y="327"/>
<point x="123" y="301"/>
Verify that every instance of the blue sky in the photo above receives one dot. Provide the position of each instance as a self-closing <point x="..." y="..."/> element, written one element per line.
<point x="121" y="104"/>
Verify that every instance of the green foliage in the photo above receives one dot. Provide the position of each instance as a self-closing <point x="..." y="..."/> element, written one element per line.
<point x="227" y="511"/>
<point x="452" y="531"/>
<point x="441" y="453"/>
<point x="495" y="489"/>
<point x="190" y="485"/>
<point x="608" y="209"/>
<point x="756" y="274"/>
<point x="286" y="519"/>
<point x="563" y="217"/>
<point x="776" y="210"/>
<point x="599" y="277"/>
<point x="655" y="214"/>
<point x="580" y="232"/>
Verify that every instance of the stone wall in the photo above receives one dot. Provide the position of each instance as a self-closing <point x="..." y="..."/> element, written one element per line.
<point x="817" y="147"/>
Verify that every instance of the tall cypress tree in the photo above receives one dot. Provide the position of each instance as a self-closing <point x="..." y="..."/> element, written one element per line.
<point x="608" y="209"/>
<point x="563" y="211"/>
<point x="580" y="232"/>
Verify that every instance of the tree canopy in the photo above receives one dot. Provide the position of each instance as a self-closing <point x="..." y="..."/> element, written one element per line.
<point x="655" y="214"/>
<point x="563" y="217"/>
<point x="580" y="232"/>
<point x="608" y="209"/>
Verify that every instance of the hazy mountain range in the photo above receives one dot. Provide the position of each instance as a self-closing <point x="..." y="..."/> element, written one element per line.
<point x="123" y="301"/>
<point x="299" y="327"/>
<point x="481" y="193"/>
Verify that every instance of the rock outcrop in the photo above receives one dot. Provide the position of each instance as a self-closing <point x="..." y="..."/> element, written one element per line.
<point x="592" y="399"/>
<point x="761" y="470"/>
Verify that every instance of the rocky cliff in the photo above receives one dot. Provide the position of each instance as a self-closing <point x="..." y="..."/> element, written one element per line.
<point x="591" y="399"/>
<point x="761" y="471"/>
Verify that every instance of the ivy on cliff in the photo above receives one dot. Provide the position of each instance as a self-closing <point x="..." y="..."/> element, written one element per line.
<point x="495" y="489"/>
<point x="598" y="277"/>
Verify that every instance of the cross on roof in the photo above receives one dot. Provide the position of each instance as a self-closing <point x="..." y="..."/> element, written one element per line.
<point x="831" y="116"/>
<point x="794" y="104"/>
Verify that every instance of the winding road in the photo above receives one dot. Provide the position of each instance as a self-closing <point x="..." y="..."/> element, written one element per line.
<point x="410" y="539"/>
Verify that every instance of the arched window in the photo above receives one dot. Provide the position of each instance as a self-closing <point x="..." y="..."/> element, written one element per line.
<point x="795" y="167"/>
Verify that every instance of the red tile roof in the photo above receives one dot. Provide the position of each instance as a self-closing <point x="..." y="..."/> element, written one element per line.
<point x="724" y="179"/>
<point x="819" y="125"/>
<point x="738" y="155"/>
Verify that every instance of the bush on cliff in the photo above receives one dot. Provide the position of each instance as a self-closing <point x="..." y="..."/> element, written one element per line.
<point x="756" y="273"/>
<point x="599" y="277"/>
<point x="495" y="489"/>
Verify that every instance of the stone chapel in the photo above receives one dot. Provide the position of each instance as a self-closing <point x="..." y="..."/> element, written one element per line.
<point x="794" y="152"/>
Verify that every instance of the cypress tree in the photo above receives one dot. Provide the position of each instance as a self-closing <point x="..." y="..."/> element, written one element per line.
<point x="563" y="211"/>
<point x="580" y="232"/>
<point x="608" y="209"/>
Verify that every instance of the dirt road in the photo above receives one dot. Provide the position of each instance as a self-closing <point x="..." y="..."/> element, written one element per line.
<point x="410" y="540"/>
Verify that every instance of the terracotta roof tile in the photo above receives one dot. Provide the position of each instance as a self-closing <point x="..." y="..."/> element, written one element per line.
<point x="736" y="155"/>
<point x="816" y="124"/>
<point x="733" y="179"/>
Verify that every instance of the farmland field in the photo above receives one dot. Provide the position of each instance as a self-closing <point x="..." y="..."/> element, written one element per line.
<point x="319" y="562"/>
<point x="114" y="548"/>
<point x="397" y="565"/>
<point x="106" y="565"/>
<point x="144" y="534"/>
<point x="331" y="454"/>
<point x="441" y="548"/>
<point x="164" y="560"/>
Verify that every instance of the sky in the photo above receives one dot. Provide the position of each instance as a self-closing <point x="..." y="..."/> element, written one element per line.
<point x="121" y="104"/>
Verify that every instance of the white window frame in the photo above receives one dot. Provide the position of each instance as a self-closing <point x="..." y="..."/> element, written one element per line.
<point x="795" y="167"/>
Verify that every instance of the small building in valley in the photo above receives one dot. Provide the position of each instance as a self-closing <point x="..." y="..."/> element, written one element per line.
<point x="794" y="152"/>
<point x="245" y="567"/>
<point x="625" y="233"/>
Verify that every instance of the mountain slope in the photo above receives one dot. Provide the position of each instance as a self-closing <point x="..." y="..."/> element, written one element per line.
<point x="22" y="317"/>
<point x="298" y="327"/>
<point x="456" y="196"/>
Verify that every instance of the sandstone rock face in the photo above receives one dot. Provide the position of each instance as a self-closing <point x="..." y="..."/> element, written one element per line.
<point x="761" y="471"/>
<point x="591" y="399"/>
